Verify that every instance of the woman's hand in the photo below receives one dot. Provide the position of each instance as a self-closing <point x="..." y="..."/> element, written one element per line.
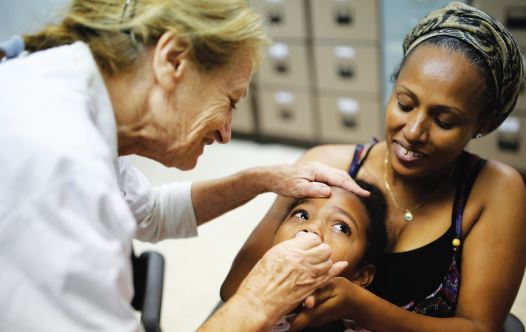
<point x="329" y="303"/>
<point x="287" y="274"/>
<point x="309" y="179"/>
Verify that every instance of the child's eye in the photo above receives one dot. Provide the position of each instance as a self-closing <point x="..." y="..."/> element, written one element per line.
<point x="300" y="214"/>
<point x="342" y="227"/>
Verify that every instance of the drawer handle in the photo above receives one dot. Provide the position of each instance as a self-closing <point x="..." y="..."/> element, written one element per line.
<point x="348" y="108"/>
<point x="507" y="144"/>
<point x="275" y="18"/>
<point x="284" y="102"/>
<point x="346" y="72"/>
<point x="508" y="138"/>
<point x="516" y="17"/>
<point x="343" y="16"/>
<point x="281" y="67"/>
<point x="349" y="122"/>
<point x="286" y="114"/>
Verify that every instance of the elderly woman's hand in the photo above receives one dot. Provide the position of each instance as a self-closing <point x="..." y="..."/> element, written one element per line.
<point x="287" y="274"/>
<point x="310" y="179"/>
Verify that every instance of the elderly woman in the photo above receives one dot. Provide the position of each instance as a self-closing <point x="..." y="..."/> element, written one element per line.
<point x="456" y="246"/>
<point x="156" y="78"/>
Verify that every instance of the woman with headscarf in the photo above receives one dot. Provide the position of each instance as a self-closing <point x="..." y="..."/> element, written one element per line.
<point x="456" y="246"/>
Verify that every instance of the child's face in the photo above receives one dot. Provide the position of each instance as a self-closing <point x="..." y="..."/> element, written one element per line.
<point x="340" y="221"/>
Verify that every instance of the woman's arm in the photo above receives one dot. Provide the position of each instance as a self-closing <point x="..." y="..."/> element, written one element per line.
<point x="336" y="156"/>
<point x="493" y="262"/>
<point x="494" y="254"/>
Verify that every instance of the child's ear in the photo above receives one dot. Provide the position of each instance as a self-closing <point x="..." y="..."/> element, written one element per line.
<point x="364" y="276"/>
<point x="170" y="59"/>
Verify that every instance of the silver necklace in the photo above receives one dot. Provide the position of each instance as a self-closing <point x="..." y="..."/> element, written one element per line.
<point x="408" y="212"/>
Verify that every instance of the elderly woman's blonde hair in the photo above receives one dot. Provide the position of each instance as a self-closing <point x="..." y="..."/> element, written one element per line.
<point x="117" y="31"/>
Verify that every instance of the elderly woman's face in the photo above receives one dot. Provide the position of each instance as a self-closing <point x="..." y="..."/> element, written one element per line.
<point x="198" y="112"/>
<point x="433" y="110"/>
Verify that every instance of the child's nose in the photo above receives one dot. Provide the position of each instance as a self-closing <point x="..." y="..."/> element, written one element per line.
<point x="313" y="228"/>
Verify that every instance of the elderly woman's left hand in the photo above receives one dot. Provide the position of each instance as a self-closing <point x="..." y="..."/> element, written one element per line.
<point x="288" y="273"/>
<point x="310" y="179"/>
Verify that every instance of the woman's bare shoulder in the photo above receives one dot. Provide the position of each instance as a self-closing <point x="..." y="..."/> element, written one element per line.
<point x="334" y="155"/>
<point x="498" y="181"/>
<point x="498" y="197"/>
<point x="501" y="174"/>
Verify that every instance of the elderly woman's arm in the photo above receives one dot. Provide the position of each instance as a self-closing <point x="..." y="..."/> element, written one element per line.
<point x="493" y="262"/>
<point x="306" y="179"/>
<point x="175" y="210"/>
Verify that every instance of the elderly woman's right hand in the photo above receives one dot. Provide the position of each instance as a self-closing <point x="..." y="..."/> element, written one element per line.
<point x="308" y="179"/>
<point x="287" y="274"/>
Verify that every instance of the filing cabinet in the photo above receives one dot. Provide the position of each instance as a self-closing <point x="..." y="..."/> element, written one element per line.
<point x="520" y="107"/>
<point x="286" y="113"/>
<point x="243" y="117"/>
<point x="347" y="67"/>
<point x="511" y="13"/>
<point x="283" y="103"/>
<point x="506" y="144"/>
<point x="283" y="18"/>
<point x="348" y="118"/>
<point x="345" y="19"/>
<point x="286" y="64"/>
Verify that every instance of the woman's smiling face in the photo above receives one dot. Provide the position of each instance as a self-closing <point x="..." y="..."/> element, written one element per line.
<point x="433" y="111"/>
<point x="198" y="113"/>
<point x="340" y="221"/>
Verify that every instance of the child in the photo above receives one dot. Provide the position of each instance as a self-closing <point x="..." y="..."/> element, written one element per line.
<point x="354" y="228"/>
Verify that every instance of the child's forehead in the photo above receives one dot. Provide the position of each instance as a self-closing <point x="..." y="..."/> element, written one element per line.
<point x="338" y="195"/>
<point x="337" y="191"/>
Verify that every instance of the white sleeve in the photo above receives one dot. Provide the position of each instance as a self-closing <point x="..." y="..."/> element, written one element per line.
<point x="163" y="212"/>
<point x="65" y="246"/>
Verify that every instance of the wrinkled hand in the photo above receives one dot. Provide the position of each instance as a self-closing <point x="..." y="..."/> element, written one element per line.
<point x="311" y="179"/>
<point x="288" y="273"/>
<point x="329" y="303"/>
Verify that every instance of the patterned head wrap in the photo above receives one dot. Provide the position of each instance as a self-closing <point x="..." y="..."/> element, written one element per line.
<point x="486" y="35"/>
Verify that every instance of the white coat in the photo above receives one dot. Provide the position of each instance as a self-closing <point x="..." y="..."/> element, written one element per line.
<point x="69" y="206"/>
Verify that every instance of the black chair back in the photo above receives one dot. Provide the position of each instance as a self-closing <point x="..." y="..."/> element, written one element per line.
<point x="148" y="277"/>
<point x="512" y="324"/>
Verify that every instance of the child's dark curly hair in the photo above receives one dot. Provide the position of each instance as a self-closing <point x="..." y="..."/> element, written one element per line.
<point x="376" y="207"/>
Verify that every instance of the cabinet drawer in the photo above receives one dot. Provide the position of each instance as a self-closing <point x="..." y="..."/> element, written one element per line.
<point x="286" y="64"/>
<point x="283" y="18"/>
<point x="511" y="13"/>
<point x="286" y="113"/>
<point x="507" y="143"/>
<point x="347" y="119"/>
<point x="345" y="19"/>
<point x="347" y="67"/>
